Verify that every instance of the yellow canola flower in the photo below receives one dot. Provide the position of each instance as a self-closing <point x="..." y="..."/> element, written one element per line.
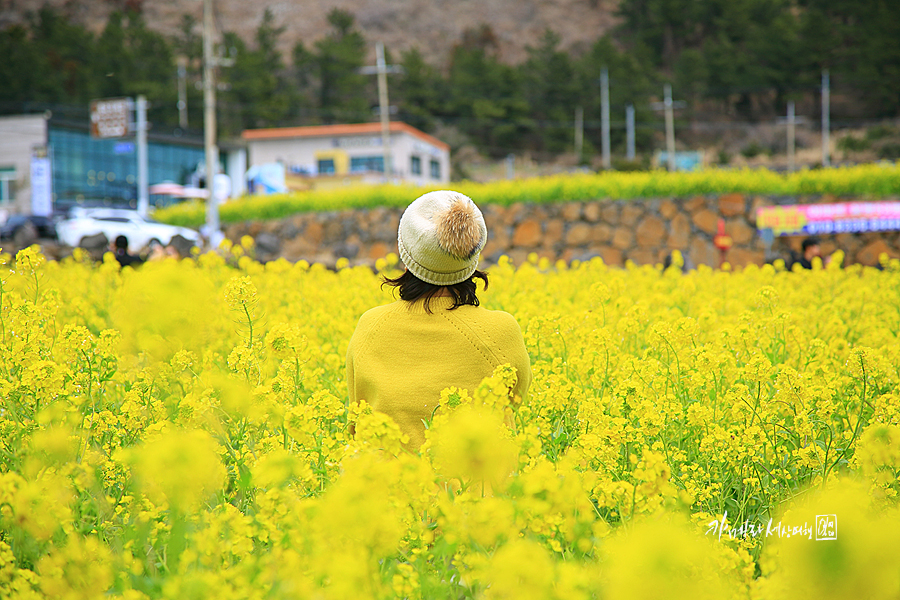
<point x="179" y="467"/>
<point x="473" y="445"/>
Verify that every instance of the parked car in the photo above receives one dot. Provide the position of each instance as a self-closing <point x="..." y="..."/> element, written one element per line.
<point x="28" y="226"/>
<point x="113" y="222"/>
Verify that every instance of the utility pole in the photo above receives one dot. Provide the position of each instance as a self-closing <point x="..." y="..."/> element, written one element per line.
<point x="791" y="121"/>
<point x="670" y="128"/>
<point x="826" y="117"/>
<point x="629" y="131"/>
<point x="182" y="92"/>
<point x="209" y="122"/>
<point x="604" y="117"/>
<point x="143" y="195"/>
<point x="579" y="133"/>
<point x="668" y="106"/>
<point x="382" y="69"/>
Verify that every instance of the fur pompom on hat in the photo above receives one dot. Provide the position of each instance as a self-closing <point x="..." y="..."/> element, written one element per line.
<point x="441" y="235"/>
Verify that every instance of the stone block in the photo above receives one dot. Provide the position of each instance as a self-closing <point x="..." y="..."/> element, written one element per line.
<point x="513" y="213"/>
<point x="591" y="212"/>
<point x="601" y="233"/>
<point x="732" y="205"/>
<point x="741" y="257"/>
<point x="740" y="232"/>
<point x="622" y="238"/>
<point x="868" y="254"/>
<point x="610" y="213"/>
<point x="571" y="211"/>
<point x="553" y="232"/>
<point x="631" y="213"/>
<point x="297" y="249"/>
<point x="578" y="234"/>
<point x="642" y="256"/>
<point x="702" y="252"/>
<point x="680" y="232"/>
<point x="314" y="233"/>
<point x="650" y="232"/>
<point x="705" y="220"/>
<point x="378" y="250"/>
<point x="527" y="234"/>
<point x="695" y="203"/>
<point x="611" y="256"/>
<point x="668" y="209"/>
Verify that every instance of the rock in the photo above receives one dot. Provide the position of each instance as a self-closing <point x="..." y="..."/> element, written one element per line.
<point x="739" y="257"/>
<point x="578" y="234"/>
<point x="868" y="254"/>
<point x="622" y="238"/>
<point x="611" y="256"/>
<point x="527" y="234"/>
<point x="643" y="256"/>
<point x="706" y="220"/>
<point x="553" y="232"/>
<point x="591" y="212"/>
<point x="732" y="205"/>
<point x="702" y="252"/>
<point x="313" y="233"/>
<point x="631" y="212"/>
<point x="680" y="233"/>
<point x="601" y="233"/>
<point x="650" y="232"/>
<point x="668" y="209"/>
<point x="610" y="213"/>
<point x="571" y="211"/>
<point x="695" y="203"/>
<point x="378" y="250"/>
<point x="96" y="245"/>
<point x="299" y="248"/>
<point x="268" y="243"/>
<point x="740" y="232"/>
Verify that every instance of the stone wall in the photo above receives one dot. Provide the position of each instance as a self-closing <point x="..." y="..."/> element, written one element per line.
<point x="642" y="231"/>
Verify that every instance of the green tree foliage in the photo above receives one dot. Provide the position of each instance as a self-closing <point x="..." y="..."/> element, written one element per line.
<point x="259" y="91"/>
<point x="743" y="58"/>
<point x="486" y="95"/>
<point x="340" y="55"/>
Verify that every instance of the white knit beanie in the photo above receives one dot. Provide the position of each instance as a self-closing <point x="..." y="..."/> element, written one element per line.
<point x="440" y="237"/>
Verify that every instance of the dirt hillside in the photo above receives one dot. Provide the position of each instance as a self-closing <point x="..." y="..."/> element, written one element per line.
<point x="433" y="26"/>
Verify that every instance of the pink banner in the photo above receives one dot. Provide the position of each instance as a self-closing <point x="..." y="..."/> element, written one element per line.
<point x="817" y="219"/>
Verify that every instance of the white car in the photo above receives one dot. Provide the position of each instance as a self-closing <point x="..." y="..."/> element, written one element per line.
<point x="113" y="222"/>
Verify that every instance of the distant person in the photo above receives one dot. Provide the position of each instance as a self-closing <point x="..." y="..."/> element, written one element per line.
<point x="809" y="249"/>
<point x="119" y="249"/>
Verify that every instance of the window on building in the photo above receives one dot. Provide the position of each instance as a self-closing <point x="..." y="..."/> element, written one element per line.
<point x="435" y="169"/>
<point x="415" y="165"/>
<point x="363" y="164"/>
<point x="7" y="184"/>
<point x="326" y="166"/>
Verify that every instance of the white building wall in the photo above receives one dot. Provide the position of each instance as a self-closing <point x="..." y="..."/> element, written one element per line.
<point x="303" y="153"/>
<point x="18" y="136"/>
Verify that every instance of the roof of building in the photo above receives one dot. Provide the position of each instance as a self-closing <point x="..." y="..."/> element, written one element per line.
<point x="339" y="130"/>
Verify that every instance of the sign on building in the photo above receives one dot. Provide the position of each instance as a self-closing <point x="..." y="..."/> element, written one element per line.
<point x="109" y="117"/>
<point x="818" y="219"/>
<point x="41" y="182"/>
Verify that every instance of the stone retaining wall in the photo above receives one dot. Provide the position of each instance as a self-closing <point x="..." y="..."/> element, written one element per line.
<point x="642" y="231"/>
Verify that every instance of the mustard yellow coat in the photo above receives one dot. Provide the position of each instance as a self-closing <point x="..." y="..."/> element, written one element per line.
<point x="400" y="357"/>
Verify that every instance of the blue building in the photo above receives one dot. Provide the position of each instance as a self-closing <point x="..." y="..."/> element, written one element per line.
<point x="91" y="171"/>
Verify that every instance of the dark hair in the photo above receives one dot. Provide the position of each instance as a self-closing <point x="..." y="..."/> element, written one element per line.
<point x="810" y="241"/>
<point x="412" y="288"/>
<point x="121" y="242"/>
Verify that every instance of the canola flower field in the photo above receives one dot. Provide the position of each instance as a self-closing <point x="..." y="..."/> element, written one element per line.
<point x="861" y="181"/>
<point x="181" y="431"/>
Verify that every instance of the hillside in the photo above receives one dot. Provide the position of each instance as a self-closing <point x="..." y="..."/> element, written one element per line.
<point x="433" y="26"/>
